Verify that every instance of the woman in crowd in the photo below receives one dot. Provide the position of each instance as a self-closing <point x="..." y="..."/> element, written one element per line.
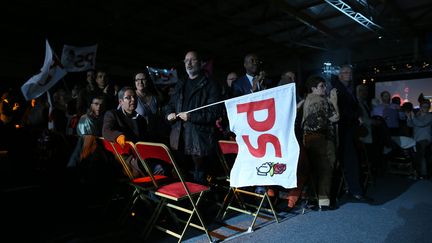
<point x="319" y="114"/>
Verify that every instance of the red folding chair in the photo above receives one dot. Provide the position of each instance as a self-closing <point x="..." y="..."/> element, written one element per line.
<point x="180" y="195"/>
<point x="227" y="147"/>
<point x="142" y="184"/>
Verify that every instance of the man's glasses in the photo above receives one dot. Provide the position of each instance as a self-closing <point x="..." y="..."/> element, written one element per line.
<point x="193" y="60"/>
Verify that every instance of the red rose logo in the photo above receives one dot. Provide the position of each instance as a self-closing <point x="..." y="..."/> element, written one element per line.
<point x="279" y="168"/>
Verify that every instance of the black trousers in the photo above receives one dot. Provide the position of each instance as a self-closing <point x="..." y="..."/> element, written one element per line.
<point x="348" y="157"/>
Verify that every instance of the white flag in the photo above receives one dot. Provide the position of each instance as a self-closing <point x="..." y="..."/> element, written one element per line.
<point x="78" y="59"/>
<point x="264" y="126"/>
<point x="51" y="72"/>
<point x="162" y="76"/>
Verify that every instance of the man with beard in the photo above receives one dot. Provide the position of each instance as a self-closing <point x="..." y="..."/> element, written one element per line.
<point x="193" y="133"/>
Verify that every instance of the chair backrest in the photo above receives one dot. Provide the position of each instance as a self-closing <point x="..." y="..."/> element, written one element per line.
<point x="159" y="151"/>
<point x="227" y="147"/>
<point x="147" y="150"/>
<point x="118" y="151"/>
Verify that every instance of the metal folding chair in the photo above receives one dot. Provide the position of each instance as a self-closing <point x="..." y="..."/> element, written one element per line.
<point x="179" y="195"/>
<point x="141" y="185"/>
<point x="227" y="147"/>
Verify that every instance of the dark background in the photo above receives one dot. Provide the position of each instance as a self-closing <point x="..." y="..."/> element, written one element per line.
<point x="296" y="34"/>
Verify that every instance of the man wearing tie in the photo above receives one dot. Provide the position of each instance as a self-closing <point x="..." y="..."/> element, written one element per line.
<point x="253" y="81"/>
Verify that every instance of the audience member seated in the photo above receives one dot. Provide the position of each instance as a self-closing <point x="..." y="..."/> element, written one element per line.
<point x="89" y="128"/>
<point x="389" y="112"/>
<point x="125" y="124"/>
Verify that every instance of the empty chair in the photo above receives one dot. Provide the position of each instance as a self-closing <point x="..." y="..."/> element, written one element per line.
<point x="178" y="195"/>
<point x="234" y="200"/>
<point x="141" y="185"/>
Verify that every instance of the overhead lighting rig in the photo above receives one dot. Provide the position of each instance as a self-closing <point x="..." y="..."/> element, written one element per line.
<point x="356" y="16"/>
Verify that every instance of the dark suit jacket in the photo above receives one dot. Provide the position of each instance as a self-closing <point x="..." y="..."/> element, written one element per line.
<point x="117" y="123"/>
<point x="242" y="86"/>
<point x="348" y="106"/>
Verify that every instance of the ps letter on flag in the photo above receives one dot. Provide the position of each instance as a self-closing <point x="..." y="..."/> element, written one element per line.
<point x="264" y="126"/>
<point x="79" y="59"/>
<point x="51" y="72"/>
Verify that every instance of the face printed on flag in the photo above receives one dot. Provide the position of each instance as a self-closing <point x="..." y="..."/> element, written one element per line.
<point x="264" y="126"/>
<point x="51" y="72"/>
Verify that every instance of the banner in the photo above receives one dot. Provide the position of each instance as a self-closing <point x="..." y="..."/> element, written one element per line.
<point x="79" y="59"/>
<point x="51" y="72"/>
<point x="264" y="126"/>
<point x="163" y="76"/>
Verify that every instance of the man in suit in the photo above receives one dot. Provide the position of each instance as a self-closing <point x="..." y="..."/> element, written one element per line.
<point x="125" y="124"/>
<point x="254" y="79"/>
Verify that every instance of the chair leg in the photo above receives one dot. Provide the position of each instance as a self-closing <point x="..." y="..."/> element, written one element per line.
<point x="111" y="199"/>
<point x="195" y="211"/>
<point x="129" y="206"/>
<point x="188" y="222"/>
<point x="155" y="217"/>
<point x="250" y="229"/>
<point x="271" y="207"/>
<point x="265" y="197"/>
<point x="226" y="202"/>
<point x="151" y="223"/>
<point x="240" y="200"/>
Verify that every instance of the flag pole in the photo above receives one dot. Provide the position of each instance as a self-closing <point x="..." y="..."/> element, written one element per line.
<point x="205" y="106"/>
<point x="216" y="103"/>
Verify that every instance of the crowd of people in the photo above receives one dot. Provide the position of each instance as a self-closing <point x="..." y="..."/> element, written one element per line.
<point x="335" y="126"/>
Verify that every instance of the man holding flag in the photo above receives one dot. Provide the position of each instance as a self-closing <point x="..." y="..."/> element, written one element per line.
<point x="264" y="126"/>
<point x="193" y="131"/>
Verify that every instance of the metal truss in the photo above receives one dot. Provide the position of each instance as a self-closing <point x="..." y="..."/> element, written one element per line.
<point x="358" y="17"/>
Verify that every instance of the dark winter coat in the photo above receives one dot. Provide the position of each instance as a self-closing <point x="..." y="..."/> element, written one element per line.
<point x="198" y="133"/>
